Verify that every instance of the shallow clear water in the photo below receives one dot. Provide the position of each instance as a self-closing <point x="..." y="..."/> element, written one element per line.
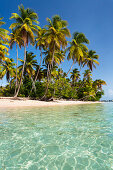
<point x="76" y="137"/>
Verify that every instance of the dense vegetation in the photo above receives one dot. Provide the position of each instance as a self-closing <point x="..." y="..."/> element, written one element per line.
<point x="46" y="79"/>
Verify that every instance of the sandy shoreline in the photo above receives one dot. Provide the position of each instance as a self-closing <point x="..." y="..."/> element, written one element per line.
<point x="10" y="102"/>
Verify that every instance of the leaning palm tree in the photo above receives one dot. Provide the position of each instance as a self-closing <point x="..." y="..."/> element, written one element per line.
<point x="77" y="49"/>
<point x="4" y="38"/>
<point x="91" y="59"/>
<point x="26" y="25"/>
<point x="16" y="39"/>
<point x="56" y="34"/>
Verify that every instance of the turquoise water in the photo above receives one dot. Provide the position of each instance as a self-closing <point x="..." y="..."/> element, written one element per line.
<point x="76" y="137"/>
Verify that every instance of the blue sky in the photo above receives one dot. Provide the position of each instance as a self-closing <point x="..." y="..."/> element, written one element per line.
<point x="92" y="17"/>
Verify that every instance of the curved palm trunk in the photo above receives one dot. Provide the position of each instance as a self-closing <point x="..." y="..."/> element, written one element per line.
<point x="22" y="72"/>
<point x="16" y="69"/>
<point x="70" y="68"/>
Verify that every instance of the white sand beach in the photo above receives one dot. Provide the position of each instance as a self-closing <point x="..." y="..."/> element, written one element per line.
<point x="21" y="102"/>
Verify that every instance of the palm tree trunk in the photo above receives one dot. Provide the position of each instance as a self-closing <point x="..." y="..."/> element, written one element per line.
<point x="39" y="65"/>
<point x="70" y="68"/>
<point x="16" y="68"/>
<point x="60" y="67"/>
<point x="33" y="83"/>
<point x="53" y="55"/>
<point x="74" y="83"/>
<point x="22" y="72"/>
<point x="50" y="69"/>
<point x="48" y="72"/>
<point x="33" y="86"/>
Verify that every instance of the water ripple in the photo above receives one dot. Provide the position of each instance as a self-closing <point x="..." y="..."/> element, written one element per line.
<point x="57" y="138"/>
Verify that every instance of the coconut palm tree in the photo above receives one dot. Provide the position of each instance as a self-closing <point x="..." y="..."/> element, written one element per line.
<point x="58" y="58"/>
<point x="87" y="75"/>
<point x="77" y="49"/>
<point x="75" y="76"/>
<point x="16" y="39"/>
<point x="56" y="34"/>
<point x="48" y="64"/>
<point x="16" y="76"/>
<point x="8" y="69"/>
<point x="4" y="38"/>
<point x="97" y="84"/>
<point x="30" y="65"/>
<point x="41" y="44"/>
<point x="91" y="59"/>
<point x="26" y="25"/>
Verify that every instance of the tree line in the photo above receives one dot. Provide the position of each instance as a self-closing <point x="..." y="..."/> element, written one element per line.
<point x="46" y="79"/>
